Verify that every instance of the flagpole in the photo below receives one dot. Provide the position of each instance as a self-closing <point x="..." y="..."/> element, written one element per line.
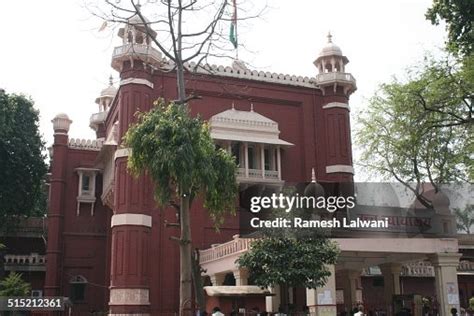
<point x="236" y="33"/>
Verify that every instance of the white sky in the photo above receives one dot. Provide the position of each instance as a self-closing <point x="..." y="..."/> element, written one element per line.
<point x="52" y="50"/>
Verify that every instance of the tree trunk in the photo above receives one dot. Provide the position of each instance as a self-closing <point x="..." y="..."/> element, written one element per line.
<point x="185" y="253"/>
<point x="198" y="283"/>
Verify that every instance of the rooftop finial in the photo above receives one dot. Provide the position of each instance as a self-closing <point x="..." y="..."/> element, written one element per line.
<point x="111" y="80"/>
<point x="251" y="107"/>
<point x="329" y="37"/>
<point x="313" y="176"/>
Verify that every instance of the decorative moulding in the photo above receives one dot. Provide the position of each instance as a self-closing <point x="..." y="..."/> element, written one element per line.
<point x="340" y="169"/>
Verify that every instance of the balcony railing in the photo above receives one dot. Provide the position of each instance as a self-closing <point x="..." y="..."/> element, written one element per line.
<point x="140" y="50"/>
<point x="31" y="262"/>
<point x="258" y="175"/>
<point x="236" y="246"/>
<point x="330" y="77"/>
<point x="418" y="269"/>
<point x="97" y="118"/>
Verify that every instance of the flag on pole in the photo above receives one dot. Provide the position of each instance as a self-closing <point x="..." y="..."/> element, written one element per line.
<point x="233" y="26"/>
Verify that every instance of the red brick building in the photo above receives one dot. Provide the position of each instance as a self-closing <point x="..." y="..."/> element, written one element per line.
<point x="108" y="247"/>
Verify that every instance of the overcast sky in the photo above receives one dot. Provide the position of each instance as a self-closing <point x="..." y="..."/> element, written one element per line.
<point x="52" y="51"/>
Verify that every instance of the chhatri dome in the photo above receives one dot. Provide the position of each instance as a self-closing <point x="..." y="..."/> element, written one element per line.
<point x="330" y="49"/>
<point x="330" y="58"/>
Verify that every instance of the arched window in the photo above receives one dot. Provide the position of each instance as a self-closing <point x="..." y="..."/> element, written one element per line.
<point x="77" y="289"/>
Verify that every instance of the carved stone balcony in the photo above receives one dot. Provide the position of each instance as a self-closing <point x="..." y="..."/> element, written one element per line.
<point x="229" y="249"/>
<point x="346" y="80"/>
<point x="97" y="118"/>
<point x="130" y="52"/>
<point x="31" y="262"/>
<point x="258" y="176"/>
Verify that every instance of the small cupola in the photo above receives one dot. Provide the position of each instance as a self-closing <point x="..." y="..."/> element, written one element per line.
<point x="135" y="31"/>
<point x="137" y="38"/>
<point x="104" y="100"/>
<point x="330" y="58"/>
<point x="331" y="64"/>
<point x="106" y="96"/>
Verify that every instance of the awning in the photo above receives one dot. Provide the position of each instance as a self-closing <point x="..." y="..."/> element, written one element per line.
<point x="240" y="290"/>
<point x="250" y="139"/>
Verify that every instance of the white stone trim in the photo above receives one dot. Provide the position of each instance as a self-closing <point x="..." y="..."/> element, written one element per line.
<point x="339" y="168"/>
<point x="337" y="105"/>
<point x="85" y="144"/>
<point x="136" y="81"/>
<point x="131" y="219"/>
<point x="129" y="297"/>
<point x="240" y="73"/>
<point x="122" y="152"/>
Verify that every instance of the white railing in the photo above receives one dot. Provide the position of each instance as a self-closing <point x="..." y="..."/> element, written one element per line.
<point x="258" y="174"/>
<point x="31" y="259"/>
<point x="140" y="50"/>
<point x="255" y="173"/>
<point x="466" y="265"/>
<point x="236" y="246"/>
<point x="418" y="269"/>
<point x="334" y="76"/>
<point x="271" y="174"/>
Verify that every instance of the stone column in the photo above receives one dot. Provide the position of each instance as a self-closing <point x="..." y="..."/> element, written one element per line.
<point x="391" y="281"/>
<point x="273" y="302"/>
<point x="131" y="241"/>
<point x="61" y="124"/>
<point x="241" y="277"/>
<point x="217" y="279"/>
<point x="322" y="301"/>
<point x="350" y="279"/>
<point x="446" y="280"/>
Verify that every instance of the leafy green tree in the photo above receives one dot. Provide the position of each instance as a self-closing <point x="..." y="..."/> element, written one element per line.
<point x="420" y="130"/>
<point x="14" y="285"/>
<point x="178" y="153"/>
<point x="290" y="257"/>
<point x="290" y="261"/>
<point x="465" y="218"/>
<point x="21" y="159"/>
<point x="459" y="18"/>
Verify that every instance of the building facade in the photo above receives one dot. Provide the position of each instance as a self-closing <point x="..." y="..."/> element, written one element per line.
<point x="109" y="248"/>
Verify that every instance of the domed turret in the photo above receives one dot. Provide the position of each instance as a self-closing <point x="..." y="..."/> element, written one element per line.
<point x="137" y="37"/>
<point x="331" y="66"/>
<point x="106" y="96"/>
<point x="104" y="101"/>
<point x="314" y="188"/>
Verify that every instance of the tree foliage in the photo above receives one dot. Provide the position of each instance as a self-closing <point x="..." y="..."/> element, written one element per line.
<point x="459" y="18"/>
<point x="22" y="163"/>
<point x="177" y="151"/>
<point x="465" y="218"/>
<point x="291" y="257"/>
<point x="14" y="285"/>
<point x="287" y="260"/>
<point x="421" y="130"/>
